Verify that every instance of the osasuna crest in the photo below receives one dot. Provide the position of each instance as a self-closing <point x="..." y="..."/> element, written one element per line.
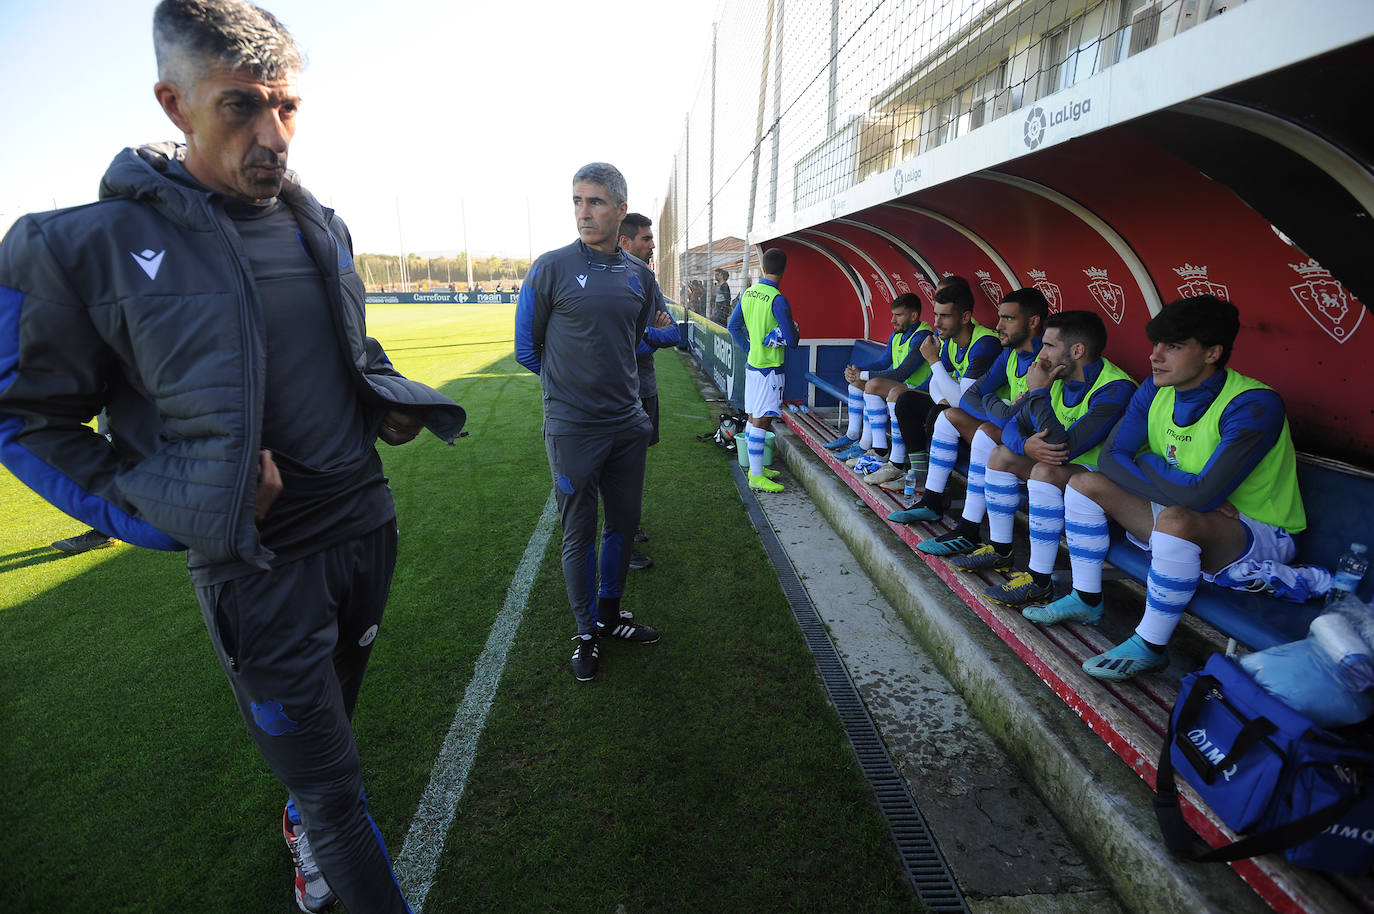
<point x="1108" y="294"/>
<point x="926" y="289"/>
<point x="991" y="289"/>
<point x="1195" y="282"/>
<point x="883" y="292"/>
<point x="1326" y="301"/>
<point x="900" y="283"/>
<point x="1047" y="289"/>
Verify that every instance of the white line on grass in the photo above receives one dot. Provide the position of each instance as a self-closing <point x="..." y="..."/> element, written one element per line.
<point x="419" y="856"/>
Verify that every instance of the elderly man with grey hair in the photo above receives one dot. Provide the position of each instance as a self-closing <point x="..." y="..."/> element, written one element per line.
<point x="581" y="314"/>
<point x="210" y="304"/>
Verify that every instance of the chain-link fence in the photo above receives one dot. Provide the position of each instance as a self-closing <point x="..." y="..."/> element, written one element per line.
<point x="801" y="99"/>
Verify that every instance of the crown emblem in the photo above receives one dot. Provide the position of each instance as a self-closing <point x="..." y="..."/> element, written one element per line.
<point x="1188" y="271"/>
<point x="982" y="274"/>
<point x="1096" y="273"/>
<point x="1037" y="275"/>
<point x="1311" y="270"/>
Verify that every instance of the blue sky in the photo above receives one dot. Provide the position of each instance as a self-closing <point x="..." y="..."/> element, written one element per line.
<point x="542" y="84"/>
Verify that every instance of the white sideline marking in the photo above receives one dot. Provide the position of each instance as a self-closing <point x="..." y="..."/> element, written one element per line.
<point x="419" y="856"/>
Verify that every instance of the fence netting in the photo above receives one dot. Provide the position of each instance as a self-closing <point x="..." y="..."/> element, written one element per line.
<point x="801" y="99"/>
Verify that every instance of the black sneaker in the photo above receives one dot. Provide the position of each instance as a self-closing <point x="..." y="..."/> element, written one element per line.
<point x="639" y="561"/>
<point x="641" y="536"/>
<point x="627" y="629"/>
<point x="85" y="542"/>
<point x="585" y="657"/>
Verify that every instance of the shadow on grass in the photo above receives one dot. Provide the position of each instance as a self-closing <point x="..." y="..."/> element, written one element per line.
<point x="447" y="346"/>
<point x="38" y="555"/>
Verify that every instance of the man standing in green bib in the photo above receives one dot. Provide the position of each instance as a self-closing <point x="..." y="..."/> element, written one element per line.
<point x="1201" y="471"/>
<point x="762" y="325"/>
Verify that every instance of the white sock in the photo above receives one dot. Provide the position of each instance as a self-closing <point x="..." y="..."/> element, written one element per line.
<point x="756" y="437"/>
<point x="980" y="449"/>
<point x="898" y="454"/>
<point x="1175" y="566"/>
<point x="1086" y="525"/>
<point x="944" y="450"/>
<point x="1003" y="493"/>
<point x="875" y="408"/>
<point x="856" y="413"/>
<point x="1046" y="524"/>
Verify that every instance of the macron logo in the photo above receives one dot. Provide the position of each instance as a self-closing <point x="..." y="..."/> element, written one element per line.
<point x="149" y="261"/>
<point x="582" y="280"/>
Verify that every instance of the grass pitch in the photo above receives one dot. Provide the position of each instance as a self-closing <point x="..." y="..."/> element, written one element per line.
<point x="702" y="773"/>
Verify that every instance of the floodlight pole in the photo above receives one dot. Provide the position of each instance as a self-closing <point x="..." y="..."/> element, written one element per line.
<point x="467" y="250"/>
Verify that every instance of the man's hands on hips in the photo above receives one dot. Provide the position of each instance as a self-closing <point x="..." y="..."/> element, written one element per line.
<point x="398" y="428"/>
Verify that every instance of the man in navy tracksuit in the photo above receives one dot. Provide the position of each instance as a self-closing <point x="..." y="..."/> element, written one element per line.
<point x="210" y="304"/>
<point x="637" y="239"/>
<point x="582" y="313"/>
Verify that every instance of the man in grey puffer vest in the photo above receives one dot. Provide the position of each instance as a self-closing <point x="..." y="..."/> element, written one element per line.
<point x="209" y="303"/>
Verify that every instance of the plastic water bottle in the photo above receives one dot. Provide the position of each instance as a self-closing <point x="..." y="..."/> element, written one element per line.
<point x="1349" y="572"/>
<point x="909" y="490"/>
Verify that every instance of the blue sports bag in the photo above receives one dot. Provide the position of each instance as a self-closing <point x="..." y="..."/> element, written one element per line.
<point x="1267" y="772"/>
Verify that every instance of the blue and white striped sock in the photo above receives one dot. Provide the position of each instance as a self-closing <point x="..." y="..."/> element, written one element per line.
<point x="980" y="449"/>
<point x="1003" y="492"/>
<point x="1046" y="524"/>
<point x="944" y="450"/>
<point x="1085" y="523"/>
<point x="875" y="408"/>
<point x="756" y="437"/>
<point x="898" y="455"/>
<point x="1175" y="566"/>
<point x="856" y="413"/>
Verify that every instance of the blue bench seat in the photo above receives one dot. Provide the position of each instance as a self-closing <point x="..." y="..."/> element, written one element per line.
<point x="1339" y="501"/>
<point x="828" y="377"/>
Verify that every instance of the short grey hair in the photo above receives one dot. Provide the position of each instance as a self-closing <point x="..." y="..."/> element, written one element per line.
<point x="190" y="37"/>
<point x="605" y="174"/>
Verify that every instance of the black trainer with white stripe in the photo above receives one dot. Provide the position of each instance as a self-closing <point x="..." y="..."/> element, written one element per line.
<point x="627" y="629"/>
<point x="586" y="657"/>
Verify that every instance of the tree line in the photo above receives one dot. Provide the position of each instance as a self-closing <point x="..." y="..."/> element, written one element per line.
<point x="378" y="270"/>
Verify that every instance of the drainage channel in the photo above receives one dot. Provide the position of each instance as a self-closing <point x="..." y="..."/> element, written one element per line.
<point x="915" y="845"/>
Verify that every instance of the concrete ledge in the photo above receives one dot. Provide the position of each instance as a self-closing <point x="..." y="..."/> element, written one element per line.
<point x="1102" y="803"/>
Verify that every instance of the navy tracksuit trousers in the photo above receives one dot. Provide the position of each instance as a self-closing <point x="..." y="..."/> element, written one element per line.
<point x="588" y="469"/>
<point x="295" y="642"/>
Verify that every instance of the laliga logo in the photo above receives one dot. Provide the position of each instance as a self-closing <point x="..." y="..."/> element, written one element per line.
<point x="1038" y="121"/>
<point x="1034" y="131"/>
<point x="900" y="178"/>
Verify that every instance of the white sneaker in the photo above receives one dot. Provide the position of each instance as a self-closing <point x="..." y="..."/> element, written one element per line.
<point x="313" y="894"/>
<point x="886" y="474"/>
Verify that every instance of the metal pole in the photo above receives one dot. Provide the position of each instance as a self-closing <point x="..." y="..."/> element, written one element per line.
<point x="529" y="229"/>
<point x="687" y="186"/>
<point x="401" y="237"/>
<point x="463" y="202"/>
<point x="758" y="142"/>
<point x="777" y="115"/>
<point x="834" y="64"/>
<point x="711" y="189"/>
